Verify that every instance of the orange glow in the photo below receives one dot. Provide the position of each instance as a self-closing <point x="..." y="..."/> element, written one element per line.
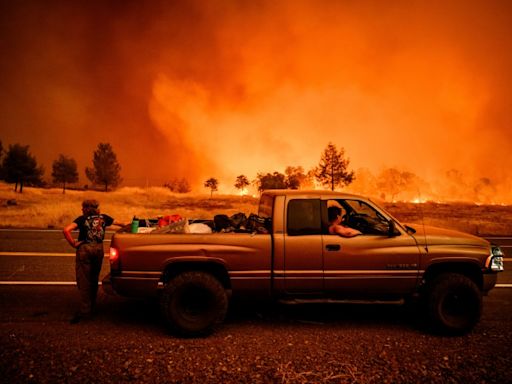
<point x="200" y="89"/>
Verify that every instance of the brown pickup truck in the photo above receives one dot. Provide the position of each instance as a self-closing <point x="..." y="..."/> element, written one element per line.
<point x="447" y="272"/>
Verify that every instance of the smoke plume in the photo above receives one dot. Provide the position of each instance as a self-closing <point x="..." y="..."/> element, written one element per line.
<point x="201" y="89"/>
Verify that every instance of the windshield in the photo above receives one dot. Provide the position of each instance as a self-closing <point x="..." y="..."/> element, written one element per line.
<point x="387" y="213"/>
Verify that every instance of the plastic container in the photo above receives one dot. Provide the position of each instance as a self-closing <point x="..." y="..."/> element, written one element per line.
<point x="135" y="225"/>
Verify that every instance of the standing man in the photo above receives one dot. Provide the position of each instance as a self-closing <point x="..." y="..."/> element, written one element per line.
<point x="89" y="254"/>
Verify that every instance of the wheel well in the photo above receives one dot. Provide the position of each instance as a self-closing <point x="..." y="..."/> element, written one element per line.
<point x="217" y="270"/>
<point x="471" y="271"/>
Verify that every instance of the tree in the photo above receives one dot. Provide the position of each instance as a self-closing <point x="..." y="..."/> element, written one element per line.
<point x="484" y="190"/>
<point x="455" y="186"/>
<point x="365" y="183"/>
<point x="392" y="182"/>
<point x="106" y="169"/>
<point x="332" y="171"/>
<point x="64" y="170"/>
<point x="213" y="184"/>
<point x="295" y="177"/>
<point x="274" y="180"/>
<point x="178" y="185"/>
<point x="20" y="167"/>
<point x="241" y="183"/>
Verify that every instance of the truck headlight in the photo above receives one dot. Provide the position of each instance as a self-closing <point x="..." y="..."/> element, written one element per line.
<point x="495" y="260"/>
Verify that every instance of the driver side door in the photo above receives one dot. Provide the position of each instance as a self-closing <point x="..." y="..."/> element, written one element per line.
<point x="371" y="264"/>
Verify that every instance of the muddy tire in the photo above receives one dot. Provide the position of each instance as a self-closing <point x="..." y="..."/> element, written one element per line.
<point x="454" y="304"/>
<point x="193" y="303"/>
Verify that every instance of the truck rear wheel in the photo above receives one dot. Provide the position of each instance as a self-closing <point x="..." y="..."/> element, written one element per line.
<point x="193" y="303"/>
<point x="454" y="304"/>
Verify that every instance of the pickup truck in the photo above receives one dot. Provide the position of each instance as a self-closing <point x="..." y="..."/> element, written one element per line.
<point x="298" y="261"/>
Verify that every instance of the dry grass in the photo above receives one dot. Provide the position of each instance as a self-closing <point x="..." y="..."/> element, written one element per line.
<point x="479" y="220"/>
<point x="49" y="208"/>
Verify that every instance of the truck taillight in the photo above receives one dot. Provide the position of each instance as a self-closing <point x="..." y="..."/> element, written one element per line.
<point x="114" y="258"/>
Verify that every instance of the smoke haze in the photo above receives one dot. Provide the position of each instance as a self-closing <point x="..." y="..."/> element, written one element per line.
<point x="198" y="89"/>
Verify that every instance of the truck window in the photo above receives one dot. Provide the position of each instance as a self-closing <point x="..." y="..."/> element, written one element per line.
<point x="304" y="217"/>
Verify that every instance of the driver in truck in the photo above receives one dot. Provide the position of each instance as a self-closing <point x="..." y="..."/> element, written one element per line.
<point x="334" y="214"/>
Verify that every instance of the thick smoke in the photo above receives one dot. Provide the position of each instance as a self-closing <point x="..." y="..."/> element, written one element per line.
<point x="199" y="89"/>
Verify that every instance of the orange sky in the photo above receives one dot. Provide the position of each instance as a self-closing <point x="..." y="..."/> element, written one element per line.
<point x="199" y="89"/>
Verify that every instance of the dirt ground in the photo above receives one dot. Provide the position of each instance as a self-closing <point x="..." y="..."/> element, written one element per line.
<point x="259" y="343"/>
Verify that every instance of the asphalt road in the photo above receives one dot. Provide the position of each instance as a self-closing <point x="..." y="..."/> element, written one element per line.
<point x="44" y="256"/>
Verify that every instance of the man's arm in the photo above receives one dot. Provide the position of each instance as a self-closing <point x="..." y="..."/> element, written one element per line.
<point x="346" y="231"/>
<point x="67" y="234"/>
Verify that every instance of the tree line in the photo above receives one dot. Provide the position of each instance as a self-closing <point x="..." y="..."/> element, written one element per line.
<point x="332" y="172"/>
<point x="19" y="166"/>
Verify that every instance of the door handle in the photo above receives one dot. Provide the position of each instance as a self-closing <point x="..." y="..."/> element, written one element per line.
<point x="333" y="247"/>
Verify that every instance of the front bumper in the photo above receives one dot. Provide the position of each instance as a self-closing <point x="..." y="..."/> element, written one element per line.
<point x="489" y="281"/>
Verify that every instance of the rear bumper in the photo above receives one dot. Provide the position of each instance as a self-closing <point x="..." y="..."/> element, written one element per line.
<point x="131" y="286"/>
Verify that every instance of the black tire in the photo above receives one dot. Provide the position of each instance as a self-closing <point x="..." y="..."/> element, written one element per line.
<point x="193" y="303"/>
<point x="454" y="304"/>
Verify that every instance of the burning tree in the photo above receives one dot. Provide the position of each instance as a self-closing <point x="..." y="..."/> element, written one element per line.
<point x="241" y="182"/>
<point x="484" y="190"/>
<point x="213" y="184"/>
<point x="365" y="182"/>
<point x="106" y="169"/>
<point x="274" y="180"/>
<point x="295" y="177"/>
<point x="178" y="185"/>
<point x="392" y="182"/>
<point x="64" y="170"/>
<point x="333" y="168"/>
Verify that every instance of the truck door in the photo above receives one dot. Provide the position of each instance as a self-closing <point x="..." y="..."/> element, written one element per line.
<point x="372" y="263"/>
<point x="303" y="264"/>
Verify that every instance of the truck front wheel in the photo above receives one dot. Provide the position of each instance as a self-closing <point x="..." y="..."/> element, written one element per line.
<point x="454" y="304"/>
<point x="193" y="303"/>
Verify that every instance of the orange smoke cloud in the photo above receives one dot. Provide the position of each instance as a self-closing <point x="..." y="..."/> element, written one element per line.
<point x="194" y="89"/>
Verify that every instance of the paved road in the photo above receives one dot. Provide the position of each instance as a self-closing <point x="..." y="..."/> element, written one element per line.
<point x="44" y="256"/>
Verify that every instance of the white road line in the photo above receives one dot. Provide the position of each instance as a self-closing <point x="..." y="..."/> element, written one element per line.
<point x="38" y="230"/>
<point x="40" y="254"/>
<point x="39" y="283"/>
<point x="36" y="254"/>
